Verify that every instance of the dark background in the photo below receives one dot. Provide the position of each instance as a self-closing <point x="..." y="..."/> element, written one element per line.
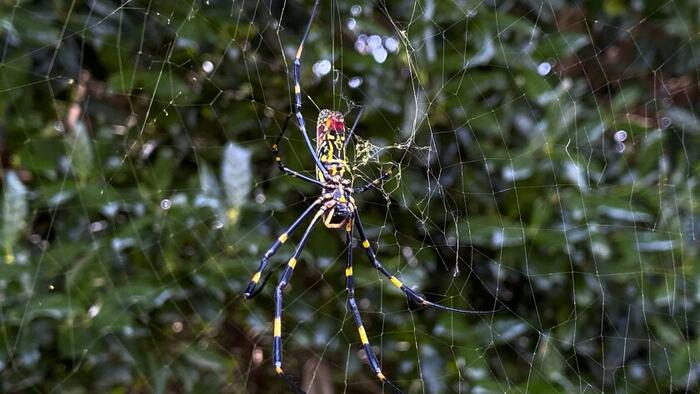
<point x="545" y="152"/>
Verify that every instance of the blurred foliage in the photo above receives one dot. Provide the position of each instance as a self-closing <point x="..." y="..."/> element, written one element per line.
<point x="547" y="157"/>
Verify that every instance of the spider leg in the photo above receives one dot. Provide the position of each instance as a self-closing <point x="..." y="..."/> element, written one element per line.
<point x="297" y="95"/>
<point x="352" y="304"/>
<point x="348" y="137"/>
<point x="278" y="158"/>
<point x="372" y="184"/>
<point x="250" y="291"/>
<point x="277" y="324"/>
<point x="411" y="294"/>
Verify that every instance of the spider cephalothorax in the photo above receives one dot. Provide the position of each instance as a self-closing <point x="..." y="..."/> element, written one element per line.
<point x="337" y="208"/>
<point x="338" y="204"/>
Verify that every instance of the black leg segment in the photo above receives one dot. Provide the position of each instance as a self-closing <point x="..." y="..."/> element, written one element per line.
<point x="352" y="304"/>
<point x="277" y="323"/>
<point x="411" y="294"/>
<point x="250" y="291"/>
<point x="297" y="95"/>
<point x="280" y="164"/>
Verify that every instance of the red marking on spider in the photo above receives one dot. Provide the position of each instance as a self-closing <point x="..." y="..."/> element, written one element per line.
<point x="337" y="125"/>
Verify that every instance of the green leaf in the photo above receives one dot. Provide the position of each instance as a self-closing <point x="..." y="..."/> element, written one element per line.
<point x="79" y="151"/>
<point x="486" y="52"/>
<point x="15" y="210"/>
<point x="236" y="177"/>
<point x="210" y="191"/>
<point x="684" y="119"/>
<point x="205" y="359"/>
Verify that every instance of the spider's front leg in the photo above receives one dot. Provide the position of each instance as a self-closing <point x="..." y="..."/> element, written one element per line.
<point x="278" y="158"/>
<point x="297" y="95"/>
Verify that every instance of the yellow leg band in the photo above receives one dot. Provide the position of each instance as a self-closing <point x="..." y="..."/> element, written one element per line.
<point x="381" y="376"/>
<point x="396" y="282"/>
<point x="363" y="335"/>
<point x="292" y="262"/>
<point x="256" y="277"/>
<point x="365" y="244"/>
<point x="348" y="271"/>
<point x="277" y="330"/>
<point x="283" y="238"/>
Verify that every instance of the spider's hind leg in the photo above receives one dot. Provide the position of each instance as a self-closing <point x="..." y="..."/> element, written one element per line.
<point x="277" y="323"/>
<point x="410" y="293"/>
<point x="352" y="304"/>
<point x="251" y="290"/>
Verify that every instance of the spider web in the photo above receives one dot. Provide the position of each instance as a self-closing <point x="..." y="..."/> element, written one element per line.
<point x="544" y="159"/>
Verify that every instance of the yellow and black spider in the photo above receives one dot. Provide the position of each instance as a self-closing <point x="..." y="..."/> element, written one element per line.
<point x="336" y="207"/>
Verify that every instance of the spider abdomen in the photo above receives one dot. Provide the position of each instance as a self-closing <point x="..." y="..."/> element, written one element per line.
<point x="330" y="143"/>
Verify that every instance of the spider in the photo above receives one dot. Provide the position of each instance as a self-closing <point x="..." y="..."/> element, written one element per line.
<point x="336" y="208"/>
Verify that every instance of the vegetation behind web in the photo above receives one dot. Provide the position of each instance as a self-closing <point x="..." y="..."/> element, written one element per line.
<point x="547" y="156"/>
